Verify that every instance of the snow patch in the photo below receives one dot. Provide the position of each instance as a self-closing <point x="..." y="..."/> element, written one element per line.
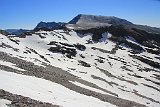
<point x="46" y="91"/>
<point x="4" y="103"/>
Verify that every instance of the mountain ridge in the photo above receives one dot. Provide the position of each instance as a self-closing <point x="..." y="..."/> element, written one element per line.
<point x="16" y="31"/>
<point x="98" y="18"/>
<point x="49" y="25"/>
<point x="83" y="21"/>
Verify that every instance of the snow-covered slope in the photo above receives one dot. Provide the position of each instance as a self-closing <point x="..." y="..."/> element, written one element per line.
<point x="68" y="69"/>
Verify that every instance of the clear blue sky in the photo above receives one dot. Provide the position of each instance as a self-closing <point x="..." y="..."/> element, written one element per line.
<point x="27" y="13"/>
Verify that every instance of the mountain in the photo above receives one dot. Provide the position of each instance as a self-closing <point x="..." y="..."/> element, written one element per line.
<point x="49" y="25"/>
<point x="100" y="66"/>
<point x="3" y="32"/>
<point x="16" y="31"/>
<point x="83" y="21"/>
<point x="11" y="30"/>
<point x="97" y="21"/>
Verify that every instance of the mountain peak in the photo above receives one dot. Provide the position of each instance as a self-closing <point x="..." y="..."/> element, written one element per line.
<point x="49" y="25"/>
<point x="99" y="19"/>
<point x="85" y="20"/>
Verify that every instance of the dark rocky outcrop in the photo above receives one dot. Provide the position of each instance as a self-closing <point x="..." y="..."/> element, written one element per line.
<point x="120" y="33"/>
<point x="80" y="46"/>
<point x="65" y="48"/>
<point x="49" y="26"/>
<point x="152" y="51"/>
<point x="147" y="61"/>
<point x="21" y="101"/>
<point x="97" y="32"/>
<point x="85" y="64"/>
<point x="70" y="52"/>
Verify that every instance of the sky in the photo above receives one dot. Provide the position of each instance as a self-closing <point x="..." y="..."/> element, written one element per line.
<point x="27" y="14"/>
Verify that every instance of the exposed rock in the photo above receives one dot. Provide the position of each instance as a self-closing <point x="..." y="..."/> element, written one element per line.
<point x="3" y="45"/>
<point x="100" y="60"/>
<point x="147" y="61"/>
<point x="85" y="64"/>
<point x="70" y="52"/>
<point x="92" y="21"/>
<point x="80" y="47"/>
<point x="21" y="101"/>
<point x="49" y="26"/>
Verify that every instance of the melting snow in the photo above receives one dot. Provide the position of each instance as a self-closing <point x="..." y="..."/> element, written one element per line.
<point x="46" y="91"/>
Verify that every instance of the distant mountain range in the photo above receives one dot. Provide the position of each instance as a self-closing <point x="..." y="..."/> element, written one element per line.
<point x="16" y="31"/>
<point x="83" y="21"/>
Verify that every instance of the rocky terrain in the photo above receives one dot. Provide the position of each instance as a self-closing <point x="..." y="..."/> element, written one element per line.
<point x="92" y="61"/>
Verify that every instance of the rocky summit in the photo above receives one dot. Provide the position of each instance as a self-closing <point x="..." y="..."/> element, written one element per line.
<point x="91" y="61"/>
<point x="91" y="21"/>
